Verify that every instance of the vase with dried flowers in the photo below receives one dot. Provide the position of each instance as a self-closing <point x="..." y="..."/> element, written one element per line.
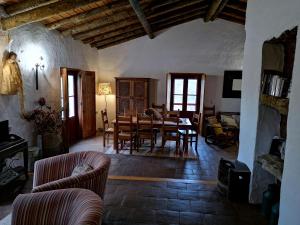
<point x="48" y="125"/>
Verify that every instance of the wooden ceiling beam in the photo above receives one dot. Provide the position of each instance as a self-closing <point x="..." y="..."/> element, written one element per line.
<point x="142" y="18"/>
<point x="119" y="41"/>
<point x="137" y="32"/>
<point x="215" y="7"/>
<point x="26" y="5"/>
<point x="107" y="28"/>
<point x="156" y="29"/>
<point x="111" y="34"/>
<point x="164" y="4"/>
<point x="238" y="17"/>
<point x="98" y="30"/>
<point x="176" y="6"/>
<point x="93" y="25"/>
<point x="42" y="13"/>
<point x="120" y="32"/>
<point x="232" y="19"/>
<point x="101" y="11"/>
<point x="236" y="7"/>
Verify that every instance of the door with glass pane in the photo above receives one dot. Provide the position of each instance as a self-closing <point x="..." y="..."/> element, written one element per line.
<point x="69" y="103"/>
<point x="185" y="93"/>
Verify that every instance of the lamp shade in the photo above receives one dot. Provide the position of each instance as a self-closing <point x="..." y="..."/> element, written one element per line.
<point x="104" y="89"/>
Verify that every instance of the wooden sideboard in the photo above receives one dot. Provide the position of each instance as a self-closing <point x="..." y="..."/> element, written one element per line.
<point x="134" y="95"/>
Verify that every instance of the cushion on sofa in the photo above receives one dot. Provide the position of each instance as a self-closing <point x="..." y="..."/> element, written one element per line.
<point x="81" y="169"/>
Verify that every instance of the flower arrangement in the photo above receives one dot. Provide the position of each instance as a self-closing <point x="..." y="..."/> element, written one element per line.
<point x="45" y="119"/>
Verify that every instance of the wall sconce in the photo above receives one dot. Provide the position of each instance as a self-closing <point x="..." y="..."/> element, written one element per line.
<point x="104" y="89"/>
<point x="38" y="66"/>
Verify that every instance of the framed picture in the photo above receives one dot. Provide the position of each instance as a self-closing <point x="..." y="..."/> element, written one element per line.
<point x="232" y="84"/>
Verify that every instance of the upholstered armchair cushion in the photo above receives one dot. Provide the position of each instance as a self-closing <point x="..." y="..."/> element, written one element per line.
<point x="55" y="172"/>
<point x="59" y="207"/>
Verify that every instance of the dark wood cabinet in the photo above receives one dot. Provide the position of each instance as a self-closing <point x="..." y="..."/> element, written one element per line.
<point x="134" y="95"/>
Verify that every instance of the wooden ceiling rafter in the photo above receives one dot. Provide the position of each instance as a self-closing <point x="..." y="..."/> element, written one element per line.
<point x="98" y="30"/>
<point x="104" y="23"/>
<point x="41" y="13"/>
<point x="96" y="12"/>
<point x="107" y="28"/>
<point x="26" y="6"/>
<point x="142" y="17"/>
<point x="215" y="7"/>
<point x="156" y="29"/>
<point x="119" y="32"/>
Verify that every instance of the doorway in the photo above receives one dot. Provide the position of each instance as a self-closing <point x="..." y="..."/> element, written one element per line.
<point x="79" y="105"/>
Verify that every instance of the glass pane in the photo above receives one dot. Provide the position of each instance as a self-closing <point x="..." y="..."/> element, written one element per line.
<point x="178" y="98"/>
<point x="178" y="86"/>
<point x="191" y="99"/>
<point x="191" y="108"/>
<point x="177" y="107"/>
<point x="71" y="85"/>
<point x="192" y="86"/>
<point x="61" y="88"/>
<point x="71" y="106"/>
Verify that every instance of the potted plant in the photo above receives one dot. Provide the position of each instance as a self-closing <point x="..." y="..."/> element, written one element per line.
<point x="48" y="126"/>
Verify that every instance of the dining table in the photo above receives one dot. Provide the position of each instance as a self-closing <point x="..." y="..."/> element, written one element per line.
<point x="184" y="124"/>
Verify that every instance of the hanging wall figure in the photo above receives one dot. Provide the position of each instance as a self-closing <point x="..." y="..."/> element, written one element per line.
<point x="11" y="79"/>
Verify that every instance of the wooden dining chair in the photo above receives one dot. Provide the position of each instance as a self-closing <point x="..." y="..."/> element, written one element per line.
<point x="106" y="129"/>
<point x="170" y="131"/>
<point x="125" y="132"/>
<point x="192" y="135"/>
<point x="145" y="130"/>
<point x="173" y="113"/>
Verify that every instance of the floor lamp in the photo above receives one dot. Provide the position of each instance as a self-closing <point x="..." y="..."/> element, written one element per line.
<point x="104" y="89"/>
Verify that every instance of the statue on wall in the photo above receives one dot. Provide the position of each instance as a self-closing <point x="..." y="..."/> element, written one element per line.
<point x="11" y="79"/>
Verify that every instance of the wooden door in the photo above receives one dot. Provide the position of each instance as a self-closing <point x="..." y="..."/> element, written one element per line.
<point x="87" y="104"/>
<point x="139" y="96"/>
<point x="124" y="106"/>
<point x="69" y="103"/>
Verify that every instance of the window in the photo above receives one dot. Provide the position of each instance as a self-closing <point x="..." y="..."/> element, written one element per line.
<point x="185" y="92"/>
<point x="71" y="96"/>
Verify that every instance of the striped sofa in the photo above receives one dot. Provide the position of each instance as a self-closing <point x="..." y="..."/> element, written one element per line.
<point x="59" y="207"/>
<point x="55" y="172"/>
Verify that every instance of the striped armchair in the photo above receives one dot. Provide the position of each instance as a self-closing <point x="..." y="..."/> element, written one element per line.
<point x="55" y="172"/>
<point x="64" y="207"/>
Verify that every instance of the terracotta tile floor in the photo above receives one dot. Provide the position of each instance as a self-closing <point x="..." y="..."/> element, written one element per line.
<point x="154" y="190"/>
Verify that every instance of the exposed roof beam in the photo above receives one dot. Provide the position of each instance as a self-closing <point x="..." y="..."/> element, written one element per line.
<point x="111" y="34"/>
<point x="90" y="14"/>
<point x="238" y="17"/>
<point x="158" y="28"/>
<point x="177" y="6"/>
<point x="236" y="7"/>
<point x="86" y="27"/>
<point x="26" y="5"/>
<point x="123" y="30"/>
<point x="167" y="3"/>
<point x="232" y="19"/>
<point x="129" y="21"/>
<point x="142" y="18"/>
<point x="107" y="28"/>
<point x="216" y="6"/>
<point x="92" y="26"/>
<point x="42" y="13"/>
<point x="138" y="32"/>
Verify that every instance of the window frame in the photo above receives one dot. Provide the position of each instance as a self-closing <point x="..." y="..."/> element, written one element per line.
<point x="185" y="77"/>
